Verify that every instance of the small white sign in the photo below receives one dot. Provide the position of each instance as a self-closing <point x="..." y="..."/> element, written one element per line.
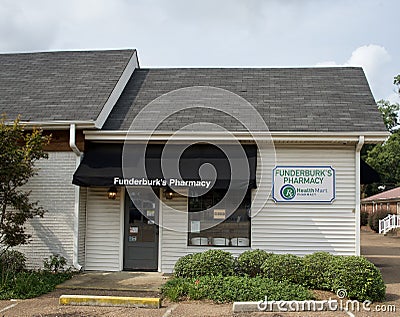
<point x="150" y="213"/>
<point x="133" y="229"/>
<point x="195" y="226"/>
<point x="219" y="213"/>
<point x="304" y="184"/>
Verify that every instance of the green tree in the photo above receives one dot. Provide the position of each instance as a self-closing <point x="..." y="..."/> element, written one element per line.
<point x="397" y="82"/>
<point x="18" y="152"/>
<point x="385" y="159"/>
<point x="389" y="113"/>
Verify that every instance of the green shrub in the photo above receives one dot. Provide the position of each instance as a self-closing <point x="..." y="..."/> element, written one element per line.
<point x="364" y="218"/>
<point x="210" y="262"/>
<point x="176" y="288"/>
<point x="250" y="262"/>
<point x="55" y="263"/>
<point x="217" y="262"/>
<point x="360" y="278"/>
<point x="186" y="266"/>
<point x="319" y="269"/>
<point x="371" y="220"/>
<point x="375" y="217"/>
<point x="209" y="275"/>
<point x="222" y="289"/>
<point x="28" y="284"/>
<point x="12" y="261"/>
<point x="284" y="267"/>
<point x="16" y="282"/>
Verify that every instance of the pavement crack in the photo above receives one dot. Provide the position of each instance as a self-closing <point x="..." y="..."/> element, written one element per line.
<point x="8" y="307"/>
<point x="170" y="310"/>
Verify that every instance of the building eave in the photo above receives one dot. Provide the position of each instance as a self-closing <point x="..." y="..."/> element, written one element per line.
<point x="57" y="125"/>
<point x="380" y="200"/>
<point x="277" y="137"/>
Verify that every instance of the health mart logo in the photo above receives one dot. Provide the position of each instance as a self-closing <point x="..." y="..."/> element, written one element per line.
<point x="288" y="192"/>
<point x="308" y="184"/>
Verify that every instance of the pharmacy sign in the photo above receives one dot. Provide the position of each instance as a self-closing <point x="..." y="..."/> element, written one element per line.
<point x="304" y="184"/>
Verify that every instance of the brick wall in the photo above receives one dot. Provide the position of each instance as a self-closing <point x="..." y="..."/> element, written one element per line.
<point x="384" y="206"/>
<point x="52" y="187"/>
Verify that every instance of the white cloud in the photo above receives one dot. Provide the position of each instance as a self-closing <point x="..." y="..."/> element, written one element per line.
<point x="370" y="57"/>
<point x="375" y="60"/>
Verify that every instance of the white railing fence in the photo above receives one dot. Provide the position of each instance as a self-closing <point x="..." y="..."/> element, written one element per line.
<point x="389" y="223"/>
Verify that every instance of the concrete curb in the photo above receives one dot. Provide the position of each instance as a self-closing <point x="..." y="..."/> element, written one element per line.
<point x="85" y="300"/>
<point x="245" y="307"/>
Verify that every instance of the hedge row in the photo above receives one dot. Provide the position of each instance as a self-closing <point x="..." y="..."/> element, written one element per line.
<point x="211" y="262"/>
<point x="223" y="289"/>
<point x="320" y="270"/>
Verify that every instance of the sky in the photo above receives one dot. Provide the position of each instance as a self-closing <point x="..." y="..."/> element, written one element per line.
<point x="217" y="33"/>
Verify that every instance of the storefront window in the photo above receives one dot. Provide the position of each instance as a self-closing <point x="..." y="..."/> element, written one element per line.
<point x="226" y="225"/>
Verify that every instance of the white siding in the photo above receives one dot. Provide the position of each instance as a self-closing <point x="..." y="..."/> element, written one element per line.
<point x="282" y="228"/>
<point x="82" y="225"/>
<point x="102" y="231"/>
<point x="306" y="228"/>
<point x="52" y="187"/>
<point x="174" y="226"/>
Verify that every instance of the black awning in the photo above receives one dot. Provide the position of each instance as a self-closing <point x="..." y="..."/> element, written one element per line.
<point x="102" y="163"/>
<point x="367" y="174"/>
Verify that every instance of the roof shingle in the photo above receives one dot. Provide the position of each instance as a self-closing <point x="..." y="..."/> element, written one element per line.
<point x="51" y="86"/>
<point x="332" y="99"/>
<point x="391" y="194"/>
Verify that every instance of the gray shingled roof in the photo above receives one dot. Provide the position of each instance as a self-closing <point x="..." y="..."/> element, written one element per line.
<point x="51" y="86"/>
<point x="334" y="99"/>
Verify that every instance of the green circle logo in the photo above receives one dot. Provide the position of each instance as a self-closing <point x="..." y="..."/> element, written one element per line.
<point x="288" y="192"/>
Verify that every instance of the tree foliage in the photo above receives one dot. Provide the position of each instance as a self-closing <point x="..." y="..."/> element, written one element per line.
<point x="385" y="159"/>
<point x="397" y="82"/>
<point x="389" y="113"/>
<point x="18" y="153"/>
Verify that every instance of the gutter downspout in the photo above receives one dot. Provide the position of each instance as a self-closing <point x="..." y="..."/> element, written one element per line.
<point x="74" y="148"/>
<point x="359" y="146"/>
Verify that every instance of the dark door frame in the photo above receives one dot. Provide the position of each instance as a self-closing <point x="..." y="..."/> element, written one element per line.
<point x="126" y="227"/>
